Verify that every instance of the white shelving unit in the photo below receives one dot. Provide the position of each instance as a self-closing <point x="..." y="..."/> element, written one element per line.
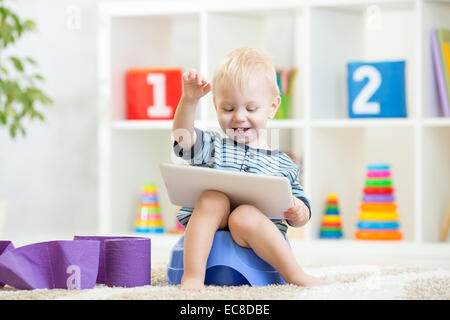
<point x="317" y="37"/>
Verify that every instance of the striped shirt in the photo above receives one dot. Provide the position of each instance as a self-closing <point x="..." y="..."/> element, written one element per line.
<point x="213" y="151"/>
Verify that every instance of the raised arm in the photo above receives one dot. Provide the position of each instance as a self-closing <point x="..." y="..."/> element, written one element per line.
<point x="194" y="87"/>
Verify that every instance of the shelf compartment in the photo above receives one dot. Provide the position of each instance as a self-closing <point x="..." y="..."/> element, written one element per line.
<point x="259" y="29"/>
<point x="135" y="158"/>
<point x="435" y="180"/>
<point x="435" y="14"/>
<point x="331" y="48"/>
<point x="339" y="163"/>
<point x="155" y="41"/>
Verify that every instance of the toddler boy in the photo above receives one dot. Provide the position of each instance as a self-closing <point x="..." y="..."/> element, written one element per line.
<point x="245" y="97"/>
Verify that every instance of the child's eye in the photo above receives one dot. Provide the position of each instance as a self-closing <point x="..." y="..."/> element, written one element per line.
<point x="251" y="109"/>
<point x="227" y="109"/>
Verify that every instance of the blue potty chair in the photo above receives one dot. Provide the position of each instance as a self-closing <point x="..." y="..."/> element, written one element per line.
<point x="228" y="264"/>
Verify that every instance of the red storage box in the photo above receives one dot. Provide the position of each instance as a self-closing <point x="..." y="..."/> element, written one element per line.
<point x="153" y="93"/>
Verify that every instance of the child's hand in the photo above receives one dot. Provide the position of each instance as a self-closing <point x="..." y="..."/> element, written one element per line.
<point x="298" y="215"/>
<point x="194" y="85"/>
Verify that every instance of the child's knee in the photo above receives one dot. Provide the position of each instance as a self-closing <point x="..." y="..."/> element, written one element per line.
<point x="215" y="199"/>
<point x="244" y="218"/>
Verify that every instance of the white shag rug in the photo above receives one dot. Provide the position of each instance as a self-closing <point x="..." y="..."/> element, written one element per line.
<point x="355" y="282"/>
<point x="355" y="271"/>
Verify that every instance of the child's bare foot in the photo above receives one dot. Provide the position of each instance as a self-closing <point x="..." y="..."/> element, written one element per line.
<point x="307" y="280"/>
<point x="192" y="284"/>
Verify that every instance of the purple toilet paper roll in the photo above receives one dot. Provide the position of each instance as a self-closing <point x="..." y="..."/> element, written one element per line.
<point x="4" y="247"/>
<point x="128" y="262"/>
<point x="101" y="262"/>
<point x="116" y="275"/>
<point x="101" y="256"/>
<point x="65" y="264"/>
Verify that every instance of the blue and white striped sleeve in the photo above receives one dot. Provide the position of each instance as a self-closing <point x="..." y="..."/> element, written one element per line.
<point x="297" y="189"/>
<point x="202" y="150"/>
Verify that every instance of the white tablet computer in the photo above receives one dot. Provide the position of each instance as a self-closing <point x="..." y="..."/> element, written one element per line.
<point x="270" y="194"/>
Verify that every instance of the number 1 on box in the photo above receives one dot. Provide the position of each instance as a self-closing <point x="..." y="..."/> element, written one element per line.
<point x="159" y="107"/>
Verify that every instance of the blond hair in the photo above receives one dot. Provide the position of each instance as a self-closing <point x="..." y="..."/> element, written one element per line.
<point x="237" y="66"/>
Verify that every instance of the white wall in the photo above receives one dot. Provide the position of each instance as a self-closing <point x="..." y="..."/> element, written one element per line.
<point x="49" y="178"/>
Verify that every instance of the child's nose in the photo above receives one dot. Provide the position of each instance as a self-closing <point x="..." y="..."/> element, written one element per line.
<point x="239" y="115"/>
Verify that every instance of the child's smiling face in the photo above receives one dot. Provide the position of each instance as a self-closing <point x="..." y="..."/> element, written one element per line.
<point x="243" y="114"/>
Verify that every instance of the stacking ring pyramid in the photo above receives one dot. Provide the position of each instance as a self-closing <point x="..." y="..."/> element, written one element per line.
<point x="331" y="221"/>
<point x="149" y="217"/>
<point x="378" y="216"/>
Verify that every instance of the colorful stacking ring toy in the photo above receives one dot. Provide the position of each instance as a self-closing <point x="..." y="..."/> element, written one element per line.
<point x="378" y="215"/>
<point x="378" y="190"/>
<point x="331" y="234"/>
<point x="331" y="226"/>
<point x="378" y="206"/>
<point x="378" y="198"/>
<point x="378" y="235"/>
<point x="378" y="174"/>
<point x="331" y="219"/>
<point x="331" y="229"/>
<point x="384" y="225"/>
<point x="379" y="183"/>
<point x="332" y="212"/>
<point x="332" y="197"/>
<point x="378" y="167"/>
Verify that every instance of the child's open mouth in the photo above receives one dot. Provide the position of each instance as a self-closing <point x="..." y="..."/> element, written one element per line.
<point x="240" y="132"/>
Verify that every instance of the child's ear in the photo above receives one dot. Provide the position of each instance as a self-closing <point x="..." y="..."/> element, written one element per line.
<point x="274" y="107"/>
<point x="214" y="102"/>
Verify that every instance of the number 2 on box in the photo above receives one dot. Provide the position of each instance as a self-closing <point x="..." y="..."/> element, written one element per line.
<point x="360" y="104"/>
<point x="159" y="107"/>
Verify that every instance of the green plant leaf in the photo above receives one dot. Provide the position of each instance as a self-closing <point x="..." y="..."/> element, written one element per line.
<point x="6" y="34"/>
<point x="23" y="131"/>
<point x="18" y="25"/>
<point x="13" y="130"/>
<point x="11" y="90"/>
<point x="26" y="101"/>
<point x="31" y="61"/>
<point x="17" y="63"/>
<point x="40" y="116"/>
<point x="3" y="119"/>
<point x="39" y="77"/>
<point x="40" y="96"/>
<point x="29" y="25"/>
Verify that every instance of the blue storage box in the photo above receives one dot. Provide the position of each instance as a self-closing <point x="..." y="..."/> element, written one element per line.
<point x="376" y="89"/>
